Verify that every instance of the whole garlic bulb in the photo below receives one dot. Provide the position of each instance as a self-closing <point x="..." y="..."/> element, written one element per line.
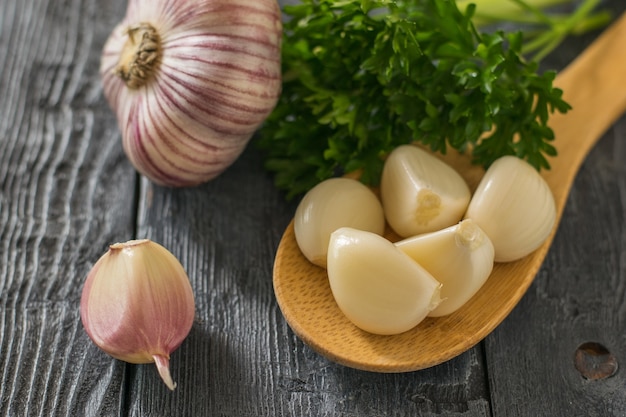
<point x="331" y="204"/>
<point x="514" y="206"/>
<point x="421" y="193"/>
<point x="137" y="304"/>
<point x="190" y="82"/>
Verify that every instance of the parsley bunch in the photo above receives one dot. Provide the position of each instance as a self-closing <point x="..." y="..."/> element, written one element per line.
<point x="361" y="77"/>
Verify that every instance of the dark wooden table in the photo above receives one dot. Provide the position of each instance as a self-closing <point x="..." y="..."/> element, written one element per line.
<point x="67" y="191"/>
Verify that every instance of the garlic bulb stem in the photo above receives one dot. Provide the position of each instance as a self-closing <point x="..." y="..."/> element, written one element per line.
<point x="162" y="363"/>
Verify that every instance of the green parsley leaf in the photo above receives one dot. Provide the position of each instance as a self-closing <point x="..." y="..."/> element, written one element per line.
<point x="361" y="77"/>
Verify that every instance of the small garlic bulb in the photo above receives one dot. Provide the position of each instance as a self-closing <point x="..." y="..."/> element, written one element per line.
<point x="190" y="82"/>
<point x="331" y="204"/>
<point x="378" y="287"/>
<point x="460" y="257"/>
<point x="514" y="206"/>
<point x="421" y="193"/>
<point x="137" y="304"/>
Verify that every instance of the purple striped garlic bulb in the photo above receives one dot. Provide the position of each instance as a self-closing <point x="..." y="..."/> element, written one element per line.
<point x="190" y="82"/>
<point x="137" y="304"/>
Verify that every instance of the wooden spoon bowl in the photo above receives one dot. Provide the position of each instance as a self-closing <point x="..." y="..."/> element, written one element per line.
<point x="595" y="85"/>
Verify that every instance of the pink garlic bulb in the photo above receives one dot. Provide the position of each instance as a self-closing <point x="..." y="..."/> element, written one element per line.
<point x="190" y="82"/>
<point x="137" y="304"/>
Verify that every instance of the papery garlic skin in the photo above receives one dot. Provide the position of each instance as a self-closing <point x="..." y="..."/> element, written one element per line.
<point x="378" y="287"/>
<point x="514" y="206"/>
<point x="216" y="76"/>
<point x="460" y="257"/>
<point x="420" y="193"/>
<point x="331" y="204"/>
<point x="137" y="304"/>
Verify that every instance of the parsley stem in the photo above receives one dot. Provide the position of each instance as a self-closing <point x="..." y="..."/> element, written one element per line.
<point x="497" y="11"/>
<point x="561" y="27"/>
<point x="544" y="28"/>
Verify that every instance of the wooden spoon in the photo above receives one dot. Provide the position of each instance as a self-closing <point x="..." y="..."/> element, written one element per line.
<point x="595" y="85"/>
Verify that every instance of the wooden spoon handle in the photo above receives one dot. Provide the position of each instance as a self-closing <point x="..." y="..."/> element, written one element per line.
<point x="594" y="84"/>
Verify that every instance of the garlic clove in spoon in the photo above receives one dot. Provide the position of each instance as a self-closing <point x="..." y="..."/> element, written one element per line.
<point x="190" y="82"/>
<point x="378" y="287"/>
<point x="137" y="304"/>
<point x="421" y="193"/>
<point x="460" y="257"/>
<point x="331" y="204"/>
<point x="514" y="206"/>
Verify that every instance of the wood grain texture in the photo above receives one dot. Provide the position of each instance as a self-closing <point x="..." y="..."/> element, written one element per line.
<point x="67" y="191"/>
<point x="577" y="296"/>
<point x="62" y="174"/>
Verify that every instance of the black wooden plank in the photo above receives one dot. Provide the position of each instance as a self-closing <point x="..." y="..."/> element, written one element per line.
<point x="577" y="296"/>
<point x="66" y="191"/>
<point x="64" y="187"/>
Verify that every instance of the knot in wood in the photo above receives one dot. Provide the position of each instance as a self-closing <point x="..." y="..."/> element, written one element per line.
<point x="594" y="361"/>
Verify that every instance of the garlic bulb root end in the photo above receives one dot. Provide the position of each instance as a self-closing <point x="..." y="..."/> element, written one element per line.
<point x="140" y="56"/>
<point x="420" y="193"/>
<point x="428" y="206"/>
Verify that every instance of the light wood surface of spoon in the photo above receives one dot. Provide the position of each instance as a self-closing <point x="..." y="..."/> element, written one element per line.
<point x="595" y="85"/>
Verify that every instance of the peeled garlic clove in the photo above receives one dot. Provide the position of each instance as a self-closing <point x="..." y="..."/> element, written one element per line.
<point x="460" y="257"/>
<point x="190" y="82"/>
<point x="331" y="204"/>
<point x="421" y="193"/>
<point x="137" y="304"/>
<point x="514" y="206"/>
<point x="379" y="288"/>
